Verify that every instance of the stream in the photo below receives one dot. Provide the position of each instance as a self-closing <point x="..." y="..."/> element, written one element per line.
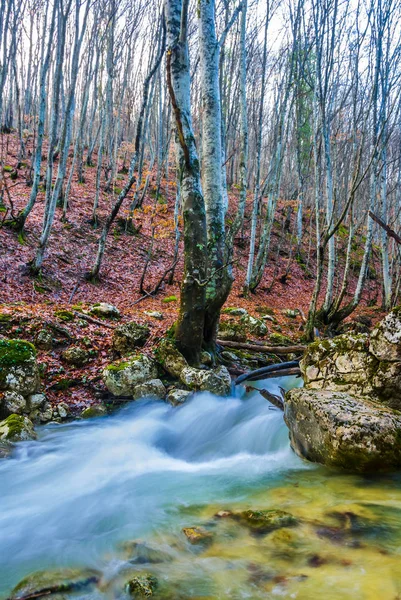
<point x="87" y="489"/>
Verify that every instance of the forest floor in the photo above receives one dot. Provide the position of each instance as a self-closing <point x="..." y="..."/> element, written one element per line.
<point x="287" y="282"/>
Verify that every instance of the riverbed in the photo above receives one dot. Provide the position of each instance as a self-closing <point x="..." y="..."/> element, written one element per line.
<point x="88" y="492"/>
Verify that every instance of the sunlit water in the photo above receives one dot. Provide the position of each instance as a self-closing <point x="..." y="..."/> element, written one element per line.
<point x="75" y="497"/>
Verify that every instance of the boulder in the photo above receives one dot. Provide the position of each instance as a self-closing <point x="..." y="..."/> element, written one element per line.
<point x="43" y="583"/>
<point x="234" y="311"/>
<point x="12" y="403"/>
<point x="98" y="410"/>
<point x="122" y="377"/>
<point x="61" y="410"/>
<point x="76" y="356"/>
<point x="339" y="430"/>
<point x="154" y="314"/>
<point x="153" y="388"/>
<point x="176" y="397"/>
<point x="16" y="428"/>
<point x="198" y="535"/>
<point x="264" y="521"/>
<point x="385" y="339"/>
<point x="232" y="331"/>
<point x="217" y="381"/>
<point x="19" y="370"/>
<point x="128" y="337"/>
<point x="170" y="358"/>
<point x="105" y="310"/>
<point x="44" y="339"/>
<point x="254" y="326"/>
<point x="36" y="401"/>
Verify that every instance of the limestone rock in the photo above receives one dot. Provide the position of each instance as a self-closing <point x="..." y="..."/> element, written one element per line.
<point x="154" y="314"/>
<point x="129" y="336"/>
<point x="385" y="339"/>
<point x="44" y="339"/>
<point x="340" y="364"/>
<point x="153" y="388"/>
<point x="16" y="428"/>
<point x="122" y="377"/>
<point x="76" y="356"/>
<point x="59" y="580"/>
<point x="234" y="311"/>
<point x="177" y="397"/>
<point x="232" y="331"/>
<point x="62" y="410"/>
<point x="105" y="310"/>
<point x="18" y="367"/>
<point x="170" y="358"/>
<point x="36" y="401"/>
<point x="217" y="381"/>
<point x="254" y="326"/>
<point x="12" y="403"/>
<point x="339" y="430"/>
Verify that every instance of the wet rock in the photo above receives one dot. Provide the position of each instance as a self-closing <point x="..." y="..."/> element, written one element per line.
<point x="105" y="310"/>
<point x="19" y="370"/>
<point x="6" y="449"/>
<point x="44" y="339"/>
<point x="217" y="381"/>
<point x="153" y="388"/>
<point x="206" y="358"/>
<point x="47" y="414"/>
<point x="16" y="428"/>
<point x="122" y="377"/>
<point x="94" y="411"/>
<point x="139" y="552"/>
<point x="12" y="403"/>
<point x="229" y="356"/>
<point x="263" y="521"/>
<point x="170" y="358"/>
<point x="142" y="586"/>
<point x="340" y="430"/>
<point x="176" y="397"/>
<point x="254" y="326"/>
<point x="385" y="339"/>
<point x="47" y="583"/>
<point x="76" y="356"/>
<point x="197" y="535"/>
<point x="128" y="337"/>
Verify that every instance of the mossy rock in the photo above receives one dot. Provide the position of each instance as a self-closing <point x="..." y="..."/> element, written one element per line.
<point x="16" y="428"/>
<point x="105" y="310"/>
<point x="232" y="331"/>
<point x="122" y="377"/>
<point x="65" y="315"/>
<point x="142" y="586"/>
<point x="98" y="410"/>
<point x="234" y="311"/>
<point x="279" y="339"/>
<point x="46" y="583"/>
<point x="18" y="367"/>
<point x="76" y="356"/>
<point x="169" y="299"/>
<point x="170" y="358"/>
<point x="264" y="521"/>
<point x="198" y="535"/>
<point x="129" y="336"/>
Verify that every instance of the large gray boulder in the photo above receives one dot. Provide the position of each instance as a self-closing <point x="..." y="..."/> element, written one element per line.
<point x="16" y="428"/>
<point x="19" y="370"/>
<point x="217" y="381"/>
<point x="385" y="339"/>
<point x="128" y="337"/>
<point x="122" y="377"/>
<point x="340" y="430"/>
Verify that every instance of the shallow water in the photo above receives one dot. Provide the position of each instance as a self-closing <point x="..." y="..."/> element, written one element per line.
<point x="76" y="496"/>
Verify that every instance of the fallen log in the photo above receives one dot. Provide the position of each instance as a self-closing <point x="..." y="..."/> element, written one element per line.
<point x="261" y="348"/>
<point x="93" y="320"/>
<point x="277" y="370"/>
<point x="273" y="398"/>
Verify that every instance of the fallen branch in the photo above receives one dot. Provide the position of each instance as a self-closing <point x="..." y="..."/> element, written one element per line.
<point x="390" y="232"/>
<point x="278" y="370"/>
<point x="93" y="320"/>
<point x="278" y="373"/>
<point x="262" y="348"/>
<point x="277" y="401"/>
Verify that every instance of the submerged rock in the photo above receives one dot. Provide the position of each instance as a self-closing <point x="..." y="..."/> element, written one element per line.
<point x="105" y="310"/>
<point x="19" y="370"/>
<point x="217" y="381"/>
<point x="140" y="552"/>
<point x="122" y="377"/>
<point x="142" y="586"/>
<point x="263" y="521"/>
<point x="197" y="535"/>
<point x="154" y="388"/>
<point x="16" y="428"/>
<point x="44" y="583"/>
<point x="339" y="430"/>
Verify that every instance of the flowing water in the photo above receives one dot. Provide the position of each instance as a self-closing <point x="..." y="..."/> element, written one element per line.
<point x="87" y="490"/>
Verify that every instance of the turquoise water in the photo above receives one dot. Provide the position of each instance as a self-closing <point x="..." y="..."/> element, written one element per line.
<point x="76" y="496"/>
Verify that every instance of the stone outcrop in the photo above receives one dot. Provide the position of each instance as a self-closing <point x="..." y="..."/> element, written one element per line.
<point x="217" y="381"/>
<point x="19" y="370"/>
<point x="128" y="337"/>
<point x="347" y="415"/>
<point x="336" y="429"/>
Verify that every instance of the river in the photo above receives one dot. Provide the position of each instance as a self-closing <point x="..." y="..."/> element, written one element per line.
<point x="85" y="489"/>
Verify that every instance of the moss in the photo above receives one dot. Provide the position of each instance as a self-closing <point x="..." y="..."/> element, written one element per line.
<point x="64" y="384"/>
<point x="65" y="315"/>
<point x="265" y="310"/>
<point x="142" y="586"/>
<point x="170" y="299"/>
<point x="42" y="583"/>
<point x="278" y="338"/>
<point x="120" y="366"/>
<point x="8" y="169"/>
<point x="15" y="424"/>
<point x="263" y="521"/>
<point x="15" y="352"/>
